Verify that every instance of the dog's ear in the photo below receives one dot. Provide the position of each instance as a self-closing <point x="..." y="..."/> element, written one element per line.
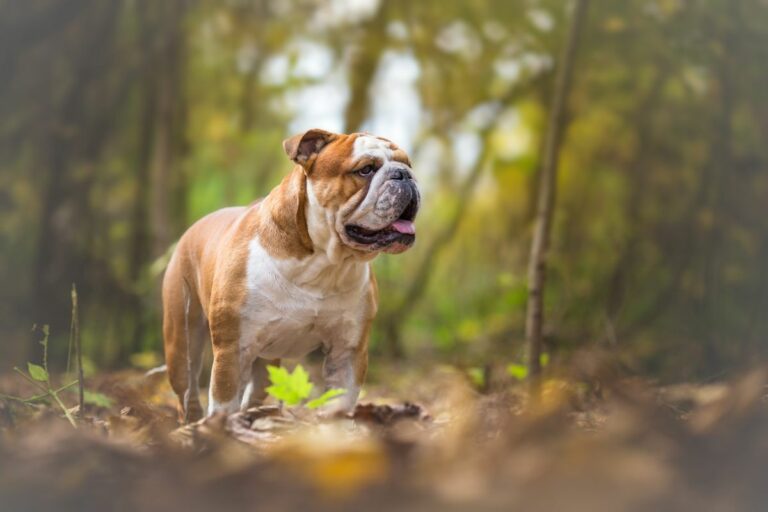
<point x="304" y="147"/>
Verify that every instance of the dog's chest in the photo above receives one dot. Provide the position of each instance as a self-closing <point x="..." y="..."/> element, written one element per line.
<point x="281" y="319"/>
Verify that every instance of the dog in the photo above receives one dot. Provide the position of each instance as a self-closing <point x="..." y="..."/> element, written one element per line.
<point x="288" y="274"/>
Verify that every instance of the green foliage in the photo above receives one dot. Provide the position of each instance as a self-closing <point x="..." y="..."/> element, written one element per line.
<point x="289" y="388"/>
<point x="40" y="377"/>
<point x="37" y="372"/>
<point x="519" y="371"/>
<point x="652" y="243"/>
<point x="325" y="398"/>
<point x="146" y="360"/>
<point x="477" y="376"/>
<point x="97" y="399"/>
<point x="293" y="388"/>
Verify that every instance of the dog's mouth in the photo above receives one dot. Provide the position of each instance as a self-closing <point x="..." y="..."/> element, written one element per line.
<point x="402" y="230"/>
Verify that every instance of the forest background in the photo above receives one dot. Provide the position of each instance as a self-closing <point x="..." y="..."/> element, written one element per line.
<point x="122" y="122"/>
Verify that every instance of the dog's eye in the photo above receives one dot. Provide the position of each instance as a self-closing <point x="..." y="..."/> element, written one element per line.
<point x="366" y="171"/>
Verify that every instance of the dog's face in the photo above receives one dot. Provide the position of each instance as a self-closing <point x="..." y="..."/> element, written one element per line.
<point x="364" y="186"/>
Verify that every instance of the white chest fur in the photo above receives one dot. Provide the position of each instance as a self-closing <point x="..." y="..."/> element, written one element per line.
<point x="294" y="306"/>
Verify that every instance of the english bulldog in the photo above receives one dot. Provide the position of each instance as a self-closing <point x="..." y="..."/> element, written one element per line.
<point x="288" y="274"/>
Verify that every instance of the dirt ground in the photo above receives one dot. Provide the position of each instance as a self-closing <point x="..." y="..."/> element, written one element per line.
<point x="426" y="440"/>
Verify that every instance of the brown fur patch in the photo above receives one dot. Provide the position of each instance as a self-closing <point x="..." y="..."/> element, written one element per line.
<point x="282" y="223"/>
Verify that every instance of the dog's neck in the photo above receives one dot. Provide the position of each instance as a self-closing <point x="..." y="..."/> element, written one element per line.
<point x="292" y="225"/>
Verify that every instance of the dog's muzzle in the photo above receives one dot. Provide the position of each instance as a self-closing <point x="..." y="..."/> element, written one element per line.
<point x="388" y="222"/>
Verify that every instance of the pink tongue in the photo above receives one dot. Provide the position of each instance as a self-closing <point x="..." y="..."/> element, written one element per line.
<point x="404" y="226"/>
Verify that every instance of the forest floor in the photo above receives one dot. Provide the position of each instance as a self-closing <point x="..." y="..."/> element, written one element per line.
<point x="420" y="440"/>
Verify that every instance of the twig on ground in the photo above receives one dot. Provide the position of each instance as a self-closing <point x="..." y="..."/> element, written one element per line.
<point x="75" y="334"/>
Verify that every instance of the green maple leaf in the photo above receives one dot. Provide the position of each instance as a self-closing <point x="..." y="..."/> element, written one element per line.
<point x="326" y="397"/>
<point x="290" y="388"/>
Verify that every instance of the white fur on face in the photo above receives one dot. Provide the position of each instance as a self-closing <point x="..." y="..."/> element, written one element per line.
<point x="368" y="145"/>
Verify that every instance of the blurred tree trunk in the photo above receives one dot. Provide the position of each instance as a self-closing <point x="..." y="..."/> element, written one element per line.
<point x="159" y="203"/>
<point x="24" y="25"/>
<point x="72" y="135"/>
<point x="248" y="97"/>
<point x="140" y="229"/>
<point x="249" y="110"/>
<point x="545" y="202"/>
<point x="638" y="187"/>
<point x="166" y="179"/>
<point x="366" y="55"/>
<point x="712" y="213"/>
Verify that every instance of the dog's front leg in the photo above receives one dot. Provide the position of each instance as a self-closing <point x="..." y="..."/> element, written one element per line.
<point x="344" y="368"/>
<point x="225" y="388"/>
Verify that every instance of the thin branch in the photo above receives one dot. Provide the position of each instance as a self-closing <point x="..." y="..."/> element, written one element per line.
<point x="59" y="390"/>
<point x="64" y="408"/>
<point x="545" y="202"/>
<point x="30" y="379"/>
<point x="36" y="398"/>
<point x="78" y="350"/>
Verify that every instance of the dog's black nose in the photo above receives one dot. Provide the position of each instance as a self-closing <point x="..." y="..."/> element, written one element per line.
<point x="399" y="174"/>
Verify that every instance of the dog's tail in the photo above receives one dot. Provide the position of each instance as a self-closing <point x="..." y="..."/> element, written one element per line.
<point x="156" y="371"/>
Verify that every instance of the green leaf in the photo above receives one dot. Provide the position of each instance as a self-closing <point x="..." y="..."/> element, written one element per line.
<point x="96" y="398"/>
<point x="477" y="376"/>
<point x="37" y="372"/>
<point x="146" y="360"/>
<point x="516" y="296"/>
<point x="326" y="397"/>
<point x="518" y="371"/>
<point x="289" y="388"/>
<point x="544" y="359"/>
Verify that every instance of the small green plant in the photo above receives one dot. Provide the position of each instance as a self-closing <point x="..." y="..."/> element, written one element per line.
<point x="40" y="377"/>
<point x="519" y="371"/>
<point x="294" y="388"/>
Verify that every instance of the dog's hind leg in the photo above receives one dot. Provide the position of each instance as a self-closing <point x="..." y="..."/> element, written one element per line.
<point x="197" y="334"/>
<point x="174" y="331"/>
<point x="255" y="391"/>
<point x="184" y="333"/>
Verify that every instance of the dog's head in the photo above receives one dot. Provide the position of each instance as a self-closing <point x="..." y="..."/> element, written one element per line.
<point x="359" y="186"/>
